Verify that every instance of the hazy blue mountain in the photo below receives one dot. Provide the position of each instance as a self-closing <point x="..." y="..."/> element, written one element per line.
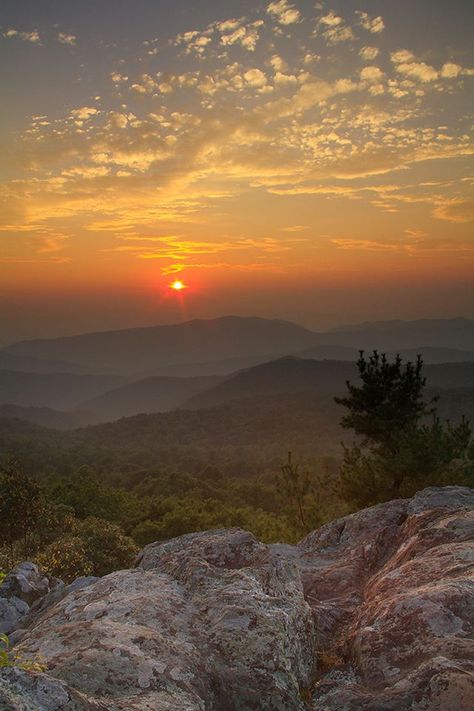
<point x="430" y="354"/>
<point x="29" y="364"/>
<point x="157" y="394"/>
<point x="218" y="367"/>
<point x="47" y="417"/>
<point x="395" y="335"/>
<point x="302" y="375"/>
<point x="283" y="375"/>
<point x="144" y="350"/>
<point x="55" y="390"/>
<point x="218" y="346"/>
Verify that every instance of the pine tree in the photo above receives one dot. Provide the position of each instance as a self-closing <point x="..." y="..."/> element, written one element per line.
<point x="398" y="451"/>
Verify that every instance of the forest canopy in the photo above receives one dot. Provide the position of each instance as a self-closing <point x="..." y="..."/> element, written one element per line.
<point x="83" y="502"/>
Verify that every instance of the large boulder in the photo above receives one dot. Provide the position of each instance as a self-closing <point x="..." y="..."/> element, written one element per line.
<point x="19" y="590"/>
<point x="373" y="612"/>
<point x="392" y="588"/>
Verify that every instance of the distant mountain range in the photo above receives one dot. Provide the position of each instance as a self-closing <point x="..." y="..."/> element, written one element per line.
<point x="292" y="374"/>
<point x="48" y="417"/>
<point x="99" y="377"/>
<point x="158" y="394"/>
<point x="223" y="345"/>
<point x="142" y="351"/>
<point x="29" y="364"/>
<point x="112" y="398"/>
<point x="55" y="390"/>
<point x="393" y="335"/>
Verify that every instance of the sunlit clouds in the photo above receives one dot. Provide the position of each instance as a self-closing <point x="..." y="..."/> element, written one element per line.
<point x="273" y="139"/>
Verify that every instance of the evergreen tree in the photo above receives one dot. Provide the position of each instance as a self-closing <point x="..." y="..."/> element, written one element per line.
<point x="399" y="451"/>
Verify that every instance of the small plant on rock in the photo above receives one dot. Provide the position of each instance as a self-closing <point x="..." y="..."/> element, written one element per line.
<point x="9" y="658"/>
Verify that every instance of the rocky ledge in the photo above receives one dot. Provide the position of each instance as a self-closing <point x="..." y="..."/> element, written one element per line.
<point x="372" y="612"/>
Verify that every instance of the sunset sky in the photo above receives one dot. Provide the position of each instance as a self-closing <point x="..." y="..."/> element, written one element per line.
<point x="308" y="161"/>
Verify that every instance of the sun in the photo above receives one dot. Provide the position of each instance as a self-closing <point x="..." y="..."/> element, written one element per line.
<point x="178" y="285"/>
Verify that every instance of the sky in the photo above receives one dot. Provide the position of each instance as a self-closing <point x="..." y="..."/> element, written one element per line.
<point x="310" y="161"/>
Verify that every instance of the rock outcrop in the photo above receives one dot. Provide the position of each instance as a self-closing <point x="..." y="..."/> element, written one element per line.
<point x="21" y="588"/>
<point x="373" y="612"/>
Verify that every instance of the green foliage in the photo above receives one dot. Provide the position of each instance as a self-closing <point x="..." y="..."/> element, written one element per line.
<point x="22" y="504"/>
<point x="106" y="546"/>
<point x="308" y="496"/>
<point x="175" y="517"/>
<point x="93" y="547"/>
<point x="9" y="658"/>
<point x="399" y="453"/>
<point x="389" y="401"/>
<point x="65" y="558"/>
<point x="87" y="495"/>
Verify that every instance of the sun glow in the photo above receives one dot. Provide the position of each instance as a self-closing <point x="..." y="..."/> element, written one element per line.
<point x="178" y="285"/>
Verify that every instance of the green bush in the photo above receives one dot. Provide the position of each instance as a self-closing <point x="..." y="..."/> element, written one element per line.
<point x="93" y="547"/>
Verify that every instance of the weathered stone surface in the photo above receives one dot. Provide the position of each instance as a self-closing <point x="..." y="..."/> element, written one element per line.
<point x="26" y="691"/>
<point x="373" y="612"/>
<point x="19" y="590"/>
<point x="12" y="610"/>
<point x="392" y="588"/>
<point x="25" y="582"/>
<point x="208" y="621"/>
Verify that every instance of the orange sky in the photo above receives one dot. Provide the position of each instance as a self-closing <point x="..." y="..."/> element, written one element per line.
<point x="273" y="159"/>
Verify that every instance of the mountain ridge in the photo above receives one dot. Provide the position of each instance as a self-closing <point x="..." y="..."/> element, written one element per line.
<point x="199" y="343"/>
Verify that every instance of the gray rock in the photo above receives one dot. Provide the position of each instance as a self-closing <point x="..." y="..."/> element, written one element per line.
<point x="23" y="586"/>
<point x="373" y="612"/>
<point x="26" y="691"/>
<point x="12" y="610"/>
<point x="27" y="583"/>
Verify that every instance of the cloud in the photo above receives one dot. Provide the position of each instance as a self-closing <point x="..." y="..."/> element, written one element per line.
<point x="368" y="54"/>
<point x="283" y="12"/>
<point x="371" y="74"/>
<point x="65" y="38"/>
<point x="455" y="210"/>
<point x="83" y="114"/>
<point x="117" y="77"/>
<point x="375" y="25"/>
<point x="295" y="228"/>
<point x="401" y="56"/>
<point x="281" y="79"/>
<point x="452" y="71"/>
<point x="278" y="64"/>
<point x="255" y="78"/>
<point x="246" y="36"/>
<point x="333" y="29"/>
<point x="194" y="41"/>
<point x="369" y="245"/>
<point x="174" y="151"/>
<point x="33" y="36"/>
<point x="418" y="70"/>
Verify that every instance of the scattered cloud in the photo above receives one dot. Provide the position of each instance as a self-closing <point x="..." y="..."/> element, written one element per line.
<point x="32" y="36"/>
<point x="65" y="38"/>
<point x="284" y="12"/>
<point x="375" y="25"/>
<point x="333" y="28"/>
<point x="247" y="104"/>
<point x="455" y="210"/>
<point x="418" y="70"/>
<point x="368" y="53"/>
